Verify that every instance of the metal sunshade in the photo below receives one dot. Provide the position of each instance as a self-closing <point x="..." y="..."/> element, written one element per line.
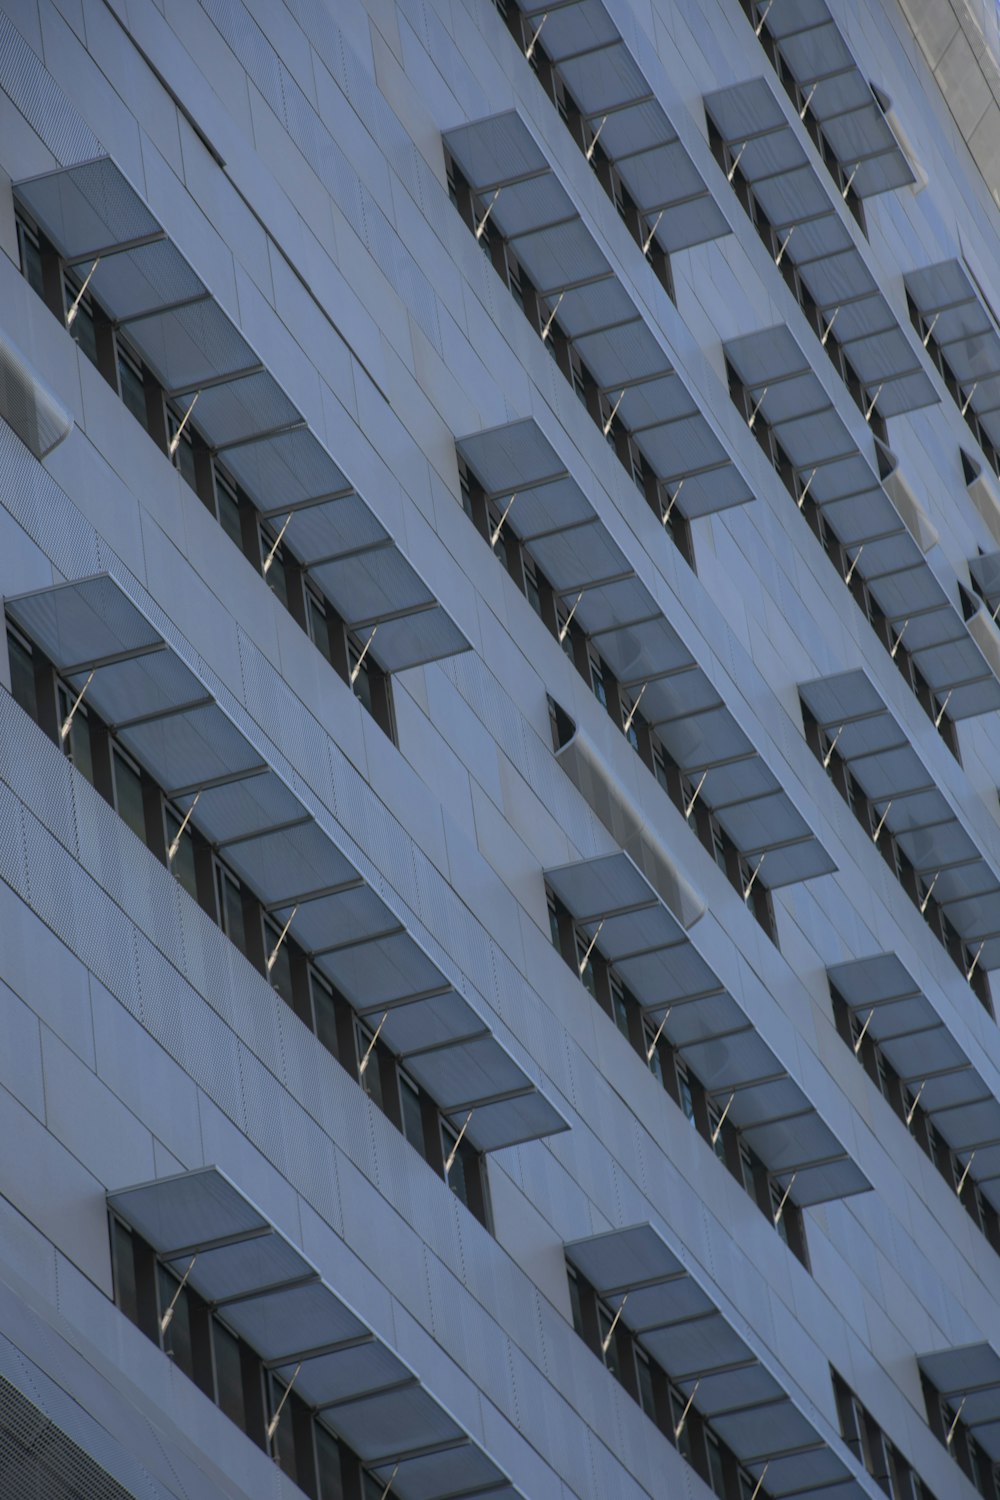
<point x="91" y="213"/>
<point x="953" y="309"/>
<point x="814" y="51"/>
<point x="507" y="168"/>
<point x="614" y="97"/>
<point x="922" y="1051"/>
<point x="917" y="812"/>
<point x="635" y="930"/>
<point x="889" y="536"/>
<point x="165" y="715"/>
<point x="553" y="517"/>
<point x="815" y="233"/>
<point x="263" y="1287"/>
<point x="674" y="1317"/>
<point x="971" y="1375"/>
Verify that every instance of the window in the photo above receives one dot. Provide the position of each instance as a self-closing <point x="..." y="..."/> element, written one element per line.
<point x="128" y="793"/>
<point x="317" y="623"/>
<point x="368" y="1059"/>
<point x="716" y="1467"/>
<point x="279" y="956"/>
<point x="76" y="742"/>
<point x="412" y="1113"/>
<point x="183" y="456"/>
<point x="131" y="383"/>
<point x="183" y="862"/>
<point x="30" y="252"/>
<point x="457" y="1179"/>
<point x="677" y="1413"/>
<point x="324" y="1011"/>
<point x="22" y="674"/>
<point x="619" y="1006"/>
<point x="684" y="1095"/>
<point x="273" y="557"/>
<point x="228" y="1374"/>
<point x="227" y="501"/>
<point x="231" y="908"/>
<point x="83" y="329"/>
<point x="607" y="1328"/>
<point x="177" y="1340"/>
<point x="644" y="1383"/>
<point x="715" y="1122"/>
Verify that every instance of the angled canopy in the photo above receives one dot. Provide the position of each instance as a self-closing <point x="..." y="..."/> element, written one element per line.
<point x="852" y="115"/>
<point x="969" y="1378"/>
<point x="918" y="813"/>
<point x="886" y="538"/>
<point x="614" y="98"/>
<point x="813" y="231"/>
<point x="200" y="1223"/>
<point x="675" y="1318"/>
<point x="505" y="165"/>
<point x="165" y="715"/>
<point x="95" y="217"/>
<point x="564" y="534"/>
<point x="612" y="901"/>
<point x="928" y="1060"/>
<point x="956" y="315"/>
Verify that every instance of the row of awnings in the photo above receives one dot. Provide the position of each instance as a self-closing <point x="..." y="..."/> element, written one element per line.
<point x="634" y="132"/>
<point x="672" y="1315"/>
<point x="99" y="223"/>
<point x="839" y="96"/>
<point x="613" y="903"/>
<point x="163" y="713"/>
<point x="958" y="659"/>
<point x="814" y="233"/>
<point x="921" y="819"/>
<point x="507" y="168"/>
<point x="564" y="534"/>
<point x="273" y="1298"/>
<point x="919" y="1046"/>
<point x="956" y="315"/>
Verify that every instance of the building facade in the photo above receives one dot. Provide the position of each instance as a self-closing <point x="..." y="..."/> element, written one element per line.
<point x="499" y="830"/>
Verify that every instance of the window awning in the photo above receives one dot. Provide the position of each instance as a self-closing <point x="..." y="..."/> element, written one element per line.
<point x="92" y="214"/>
<point x="925" y="1055"/>
<point x="840" y="97"/>
<point x="971" y="1375"/>
<point x="504" y="164"/>
<point x="611" y="900"/>
<point x="272" y="1297"/>
<point x="674" y="1317"/>
<point x="557" y="523"/>
<point x="955" y="314"/>
<point x="814" y="233"/>
<point x="163" y="713"/>
<point x="917" y="813"/>
<point x="886" y="538"/>
<point x="614" y="98"/>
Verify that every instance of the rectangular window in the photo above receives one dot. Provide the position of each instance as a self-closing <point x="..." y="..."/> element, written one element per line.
<point x="182" y="864"/>
<point x="231" y="908"/>
<point x="412" y="1113"/>
<point x="715" y="1125"/>
<point x="653" y="1052"/>
<point x="370" y="1079"/>
<point x="177" y="1339"/>
<point x="132" y="384"/>
<point x="587" y="971"/>
<point x="184" y="452"/>
<point x="746" y="1170"/>
<point x="83" y="329"/>
<point x="227" y="503"/>
<point x="575" y="1304"/>
<point x="318" y="624"/>
<point x="716" y="1468"/>
<point x="644" y="1381"/>
<point x="597" y="679"/>
<point x="128" y="793"/>
<point x="77" y="742"/>
<point x="362" y="684"/>
<point x="677" y="1405"/>
<point x="777" y="1193"/>
<point x="126" y="1292"/>
<point x="228" y="1373"/>
<point x="457" y="1180"/>
<point x="22" y="675"/>
<point x="277" y="574"/>
<point x="531" y="588"/>
<point x="324" y="1012"/>
<point x="684" y="1093"/>
<point x="620" y="1007"/>
<point x="30" y="253"/>
<point x="281" y="969"/>
<point x="605" y="1319"/>
<point x="328" y="1473"/>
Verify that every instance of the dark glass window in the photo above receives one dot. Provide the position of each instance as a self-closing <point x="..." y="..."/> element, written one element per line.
<point x="228" y="1373"/>
<point x="231" y="908"/>
<point x="22" y="676"/>
<point x="182" y="863"/>
<point x="31" y="257"/>
<point x="177" y="1338"/>
<point x="228" y="504"/>
<point x="77" y="742"/>
<point x="281" y="967"/>
<point x="328" y="1471"/>
<point x="413" y="1124"/>
<point x="124" y="1266"/>
<point x="128" y="794"/>
<point x="319" y="626"/>
<point x="324" y="1012"/>
<point x="457" y="1180"/>
<point x="82" y="328"/>
<point x="131" y="383"/>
